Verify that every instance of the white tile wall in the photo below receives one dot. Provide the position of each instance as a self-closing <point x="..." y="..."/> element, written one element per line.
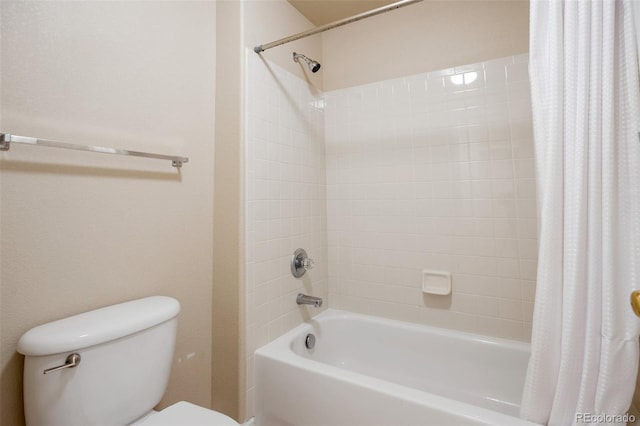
<point x="435" y="171"/>
<point x="286" y="202"/>
<point x="377" y="182"/>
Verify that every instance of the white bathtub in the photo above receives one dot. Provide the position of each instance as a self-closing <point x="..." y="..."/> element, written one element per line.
<point x="370" y="371"/>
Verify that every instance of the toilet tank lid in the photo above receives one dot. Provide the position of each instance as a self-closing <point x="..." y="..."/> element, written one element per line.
<point x="98" y="326"/>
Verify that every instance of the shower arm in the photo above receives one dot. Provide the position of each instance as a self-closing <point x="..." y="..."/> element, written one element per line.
<point x="335" y="24"/>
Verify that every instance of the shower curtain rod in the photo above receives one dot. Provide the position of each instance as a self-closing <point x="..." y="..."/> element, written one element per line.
<point x="335" y="24"/>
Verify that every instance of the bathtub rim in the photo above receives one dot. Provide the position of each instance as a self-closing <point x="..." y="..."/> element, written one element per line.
<point x="333" y="314"/>
<point x="281" y="350"/>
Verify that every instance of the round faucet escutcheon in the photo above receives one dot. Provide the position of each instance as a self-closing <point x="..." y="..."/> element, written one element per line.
<point x="300" y="263"/>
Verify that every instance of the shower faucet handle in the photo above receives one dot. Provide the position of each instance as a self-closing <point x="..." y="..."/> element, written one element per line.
<point x="300" y="263"/>
<point x="308" y="263"/>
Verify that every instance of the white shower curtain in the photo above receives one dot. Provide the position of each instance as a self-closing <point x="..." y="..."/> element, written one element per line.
<point x="586" y="111"/>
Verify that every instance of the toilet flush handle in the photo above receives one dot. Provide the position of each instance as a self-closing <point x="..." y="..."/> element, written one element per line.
<point x="71" y="361"/>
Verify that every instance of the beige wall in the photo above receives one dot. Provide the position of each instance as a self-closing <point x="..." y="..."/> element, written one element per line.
<point x="265" y="21"/>
<point x="427" y="36"/>
<point x="83" y="230"/>
<point x="228" y="371"/>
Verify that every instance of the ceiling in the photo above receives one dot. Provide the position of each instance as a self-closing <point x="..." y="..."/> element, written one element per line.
<point x="321" y="12"/>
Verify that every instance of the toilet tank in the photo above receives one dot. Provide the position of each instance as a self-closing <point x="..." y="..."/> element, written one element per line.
<point x="126" y="354"/>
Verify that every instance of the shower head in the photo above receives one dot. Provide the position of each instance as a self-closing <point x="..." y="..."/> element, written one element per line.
<point x="314" y="66"/>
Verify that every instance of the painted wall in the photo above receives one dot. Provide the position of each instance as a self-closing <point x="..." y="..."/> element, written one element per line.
<point x="228" y="361"/>
<point x="426" y="36"/>
<point x="83" y="230"/>
<point x="265" y="21"/>
<point x="435" y="171"/>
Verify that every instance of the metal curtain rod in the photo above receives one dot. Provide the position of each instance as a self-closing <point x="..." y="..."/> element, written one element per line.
<point x="335" y="24"/>
<point x="7" y="139"/>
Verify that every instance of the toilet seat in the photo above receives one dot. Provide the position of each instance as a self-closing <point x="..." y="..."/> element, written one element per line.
<point x="186" y="414"/>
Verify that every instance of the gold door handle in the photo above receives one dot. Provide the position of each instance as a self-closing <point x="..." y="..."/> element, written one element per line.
<point x="635" y="302"/>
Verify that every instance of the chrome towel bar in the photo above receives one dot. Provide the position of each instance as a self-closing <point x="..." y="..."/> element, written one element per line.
<point x="6" y="140"/>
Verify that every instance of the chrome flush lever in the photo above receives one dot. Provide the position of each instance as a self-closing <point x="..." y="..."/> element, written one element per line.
<point x="71" y="361"/>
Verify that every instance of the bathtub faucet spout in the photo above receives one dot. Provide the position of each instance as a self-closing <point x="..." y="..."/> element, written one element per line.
<point x="303" y="299"/>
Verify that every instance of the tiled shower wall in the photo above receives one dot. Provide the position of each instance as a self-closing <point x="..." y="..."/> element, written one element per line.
<point x="430" y="171"/>
<point x="286" y="202"/>
<point x="435" y="171"/>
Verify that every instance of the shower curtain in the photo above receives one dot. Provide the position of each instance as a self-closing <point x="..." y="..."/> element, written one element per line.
<point x="586" y="112"/>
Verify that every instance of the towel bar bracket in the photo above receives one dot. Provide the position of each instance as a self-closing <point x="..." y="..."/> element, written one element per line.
<point x="4" y="144"/>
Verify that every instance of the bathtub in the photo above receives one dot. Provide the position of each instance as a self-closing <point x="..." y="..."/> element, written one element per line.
<point x="370" y="371"/>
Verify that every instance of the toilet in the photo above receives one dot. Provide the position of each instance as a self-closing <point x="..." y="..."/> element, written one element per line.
<point x="109" y="366"/>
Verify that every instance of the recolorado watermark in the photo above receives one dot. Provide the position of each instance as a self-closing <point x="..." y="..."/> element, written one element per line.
<point x="605" y="418"/>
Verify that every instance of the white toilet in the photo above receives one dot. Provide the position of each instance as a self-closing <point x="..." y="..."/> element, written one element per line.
<point x="114" y="368"/>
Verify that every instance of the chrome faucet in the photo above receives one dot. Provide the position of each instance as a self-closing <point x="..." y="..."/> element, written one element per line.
<point x="303" y="299"/>
<point x="300" y="263"/>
